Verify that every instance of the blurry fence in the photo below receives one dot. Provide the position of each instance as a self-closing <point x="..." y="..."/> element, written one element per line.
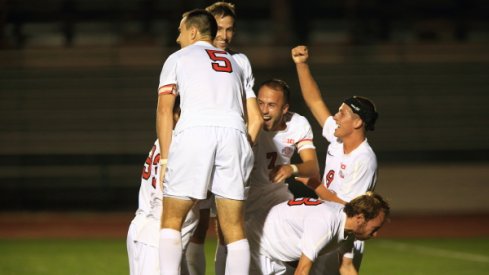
<point x="76" y="124"/>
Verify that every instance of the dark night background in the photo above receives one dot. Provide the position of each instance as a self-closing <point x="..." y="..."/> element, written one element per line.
<point x="78" y="82"/>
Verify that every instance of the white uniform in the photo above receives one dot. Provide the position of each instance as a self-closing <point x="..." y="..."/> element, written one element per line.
<point x="302" y="226"/>
<point x="275" y="148"/>
<point x="249" y="81"/>
<point x="143" y="233"/>
<point x="210" y="149"/>
<point x="348" y="175"/>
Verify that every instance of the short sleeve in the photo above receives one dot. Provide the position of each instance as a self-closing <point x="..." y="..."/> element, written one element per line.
<point x="329" y="128"/>
<point x="168" y="76"/>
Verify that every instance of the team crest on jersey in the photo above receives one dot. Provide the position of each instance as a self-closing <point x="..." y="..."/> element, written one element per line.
<point x="342" y="175"/>
<point x="287" y="151"/>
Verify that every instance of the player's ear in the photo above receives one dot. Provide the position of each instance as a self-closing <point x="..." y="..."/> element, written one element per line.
<point x="358" y="122"/>
<point x="193" y="33"/>
<point x="285" y="109"/>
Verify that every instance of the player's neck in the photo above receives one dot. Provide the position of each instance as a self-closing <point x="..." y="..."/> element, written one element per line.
<point x="351" y="142"/>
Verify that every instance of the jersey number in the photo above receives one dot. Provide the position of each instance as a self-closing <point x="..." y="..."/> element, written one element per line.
<point x="221" y="64"/>
<point x="151" y="161"/>
<point x="329" y="177"/>
<point x="304" y="201"/>
<point x="272" y="156"/>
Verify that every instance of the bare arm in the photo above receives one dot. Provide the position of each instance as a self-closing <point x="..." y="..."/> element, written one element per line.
<point x="323" y="193"/>
<point x="304" y="266"/>
<point x="309" y="88"/>
<point x="347" y="267"/>
<point x="164" y="126"/>
<point x="308" y="168"/>
<point x="255" y="119"/>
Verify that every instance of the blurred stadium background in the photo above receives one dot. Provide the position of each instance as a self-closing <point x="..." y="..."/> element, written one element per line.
<point x="78" y="82"/>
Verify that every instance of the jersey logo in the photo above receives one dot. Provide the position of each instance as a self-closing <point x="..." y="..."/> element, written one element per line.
<point x="221" y="64"/>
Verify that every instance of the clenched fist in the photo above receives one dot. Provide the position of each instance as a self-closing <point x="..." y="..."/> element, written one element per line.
<point x="300" y="54"/>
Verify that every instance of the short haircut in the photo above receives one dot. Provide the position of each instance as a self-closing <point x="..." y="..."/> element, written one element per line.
<point x="202" y="20"/>
<point x="370" y="205"/>
<point x="278" y="85"/>
<point x="222" y="9"/>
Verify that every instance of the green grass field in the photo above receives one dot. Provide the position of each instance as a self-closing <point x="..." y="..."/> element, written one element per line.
<point x="107" y="257"/>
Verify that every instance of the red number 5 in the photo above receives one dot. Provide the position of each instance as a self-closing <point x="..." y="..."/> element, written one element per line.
<point x="222" y="64"/>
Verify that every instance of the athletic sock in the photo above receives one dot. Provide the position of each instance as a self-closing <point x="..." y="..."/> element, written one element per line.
<point x="220" y="259"/>
<point x="238" y="259"/>
<point x="195" y="255"/>
<point x="170" y="251"/>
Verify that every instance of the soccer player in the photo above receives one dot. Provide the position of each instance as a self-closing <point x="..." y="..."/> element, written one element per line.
<point x="210" y="149"/>
<point x="225" y="16"/>
<point x="283" y="134"/>
<point x="351" y="164"/>
<point x="296" y="232"/>
<point x="142" y="237"/>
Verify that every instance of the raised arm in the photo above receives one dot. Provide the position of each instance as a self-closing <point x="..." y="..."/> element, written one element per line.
<point x="309" y="88"/>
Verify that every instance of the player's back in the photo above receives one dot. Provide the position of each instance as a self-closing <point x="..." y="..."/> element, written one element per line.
<point x="210" y="84"/>
<point x="298" y="226"/>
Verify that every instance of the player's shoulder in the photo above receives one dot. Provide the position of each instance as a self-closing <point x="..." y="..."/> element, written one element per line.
<point x="239" y="56"/>
<point x="296" y="120"/>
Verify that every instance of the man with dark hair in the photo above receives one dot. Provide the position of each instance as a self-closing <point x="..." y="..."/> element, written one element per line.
<point x="351" y="164"/>
<point x="209" y="149"/>
<point x="224" y="13"/>
<point x="296" y="232"/>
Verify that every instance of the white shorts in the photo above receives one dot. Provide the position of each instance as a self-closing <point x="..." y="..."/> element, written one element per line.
<point x="143" y="241"/>
<point x="143" y="258"/>
<point x="217" y="159"/>
<point x="263" y="265"/>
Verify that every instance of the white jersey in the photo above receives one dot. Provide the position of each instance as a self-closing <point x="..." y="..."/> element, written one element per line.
<point x="300" y="226"/>
<point x="275" y="148"/>
<point x="192" y="72"/>
<point x="348" y="175"/>
<point x="148" y="216"/>
<point x="249" y="79"/>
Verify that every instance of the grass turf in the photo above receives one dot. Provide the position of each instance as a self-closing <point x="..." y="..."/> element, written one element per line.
<point x="107" y="257"/>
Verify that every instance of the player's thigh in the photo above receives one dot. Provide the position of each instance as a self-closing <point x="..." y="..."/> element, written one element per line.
<point x="233" y="164"/>
<point x="231" y="220"/>
<point x="175" y="212"/>
<point x="190" y="163"/>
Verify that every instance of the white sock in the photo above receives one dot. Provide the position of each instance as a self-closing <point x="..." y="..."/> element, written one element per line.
<point x="220" y="259"/>
<point x="238" y="260"/>
<point x="170" y="251"/>
<point x="195" y="259"/>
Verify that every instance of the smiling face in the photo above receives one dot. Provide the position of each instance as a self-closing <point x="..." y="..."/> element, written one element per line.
<point x="273" y="108"/>
<point x="225" y="31"/>
<point x="368" y="229"/>
<point x="346" y="120"/>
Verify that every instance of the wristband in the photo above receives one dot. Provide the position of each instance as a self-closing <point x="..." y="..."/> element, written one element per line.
<point x="295" y="169"/>
<point x="163" y="161"/>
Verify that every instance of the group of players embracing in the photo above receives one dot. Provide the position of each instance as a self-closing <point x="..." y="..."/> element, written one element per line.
<point x="225" y="152"/>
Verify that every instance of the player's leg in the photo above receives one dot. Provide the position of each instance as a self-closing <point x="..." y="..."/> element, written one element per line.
<point x="233" y="164"/>
<point x="195" y="253"/>
<point x="189" y="170"/>
<point x="171" y="247"/>
<point x="229" y="213"/>
<point x="221" y="252"/>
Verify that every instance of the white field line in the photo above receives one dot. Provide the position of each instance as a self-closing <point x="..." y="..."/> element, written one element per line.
<point x="434" y="251"/>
